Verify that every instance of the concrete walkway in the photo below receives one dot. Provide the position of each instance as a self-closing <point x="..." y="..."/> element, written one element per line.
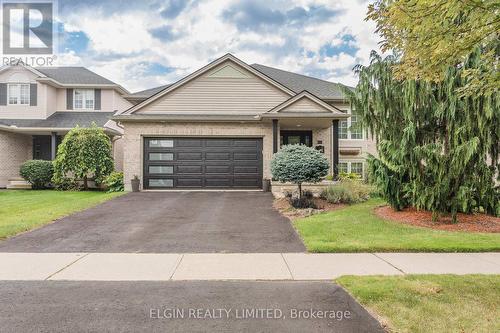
<point x="236" y="266"/>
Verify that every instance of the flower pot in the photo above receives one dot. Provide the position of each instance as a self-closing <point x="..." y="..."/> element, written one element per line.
<point x="136" y="183"/>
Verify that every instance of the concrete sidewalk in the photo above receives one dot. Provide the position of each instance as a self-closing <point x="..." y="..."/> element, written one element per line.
<point x="236" y="266"/>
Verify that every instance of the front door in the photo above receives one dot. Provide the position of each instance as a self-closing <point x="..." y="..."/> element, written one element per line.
<point x="296" y="138"/>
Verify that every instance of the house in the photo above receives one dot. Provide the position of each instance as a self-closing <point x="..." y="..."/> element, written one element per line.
<point x="38" y="106"/>
<point x="219" y="127"/>
<point x="216" y="128"/>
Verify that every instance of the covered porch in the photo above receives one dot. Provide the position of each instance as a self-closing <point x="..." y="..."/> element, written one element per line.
<point x="318" y="133"/>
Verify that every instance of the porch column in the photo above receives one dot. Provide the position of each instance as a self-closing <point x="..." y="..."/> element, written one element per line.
<point x="335" y="148"/>
<point x="275" y="136"/>
<point x="53" y="145"/>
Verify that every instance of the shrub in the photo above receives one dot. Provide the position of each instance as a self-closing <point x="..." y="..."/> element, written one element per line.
<point x="37" y="172"/>
<point x="299" y="164"/>
<point x="114" y="182"/>
<point x="349" y="176"/>
<point x="84" y="153"/>
<point x="303" y="202"/>
<point x="348" y="192"/>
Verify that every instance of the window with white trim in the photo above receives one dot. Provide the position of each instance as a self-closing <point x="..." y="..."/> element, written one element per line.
<point x="343" y="167"/>
<point x="83" y="99"/>
<point x="350" y="128"/>
<point x="18" y="93"/>
<point x="343" y="129"/>
<point x="351" y="167"/>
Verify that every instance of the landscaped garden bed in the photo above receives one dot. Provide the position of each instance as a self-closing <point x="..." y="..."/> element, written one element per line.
<point x="465" y="222"/>
<point x="357" y="228"/>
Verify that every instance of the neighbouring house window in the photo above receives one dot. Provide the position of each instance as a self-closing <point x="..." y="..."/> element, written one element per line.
<point x="351" y="167"/>
<point x="19" y="93"/>
<point x="83" y="99"/>
<point x="350" y="128"/>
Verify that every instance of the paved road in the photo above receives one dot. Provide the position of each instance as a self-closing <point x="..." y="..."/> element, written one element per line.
<point x="129" y="307"/>
<point x="166" y="222"/>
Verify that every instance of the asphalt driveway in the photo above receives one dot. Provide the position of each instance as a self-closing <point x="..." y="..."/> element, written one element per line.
<point x="168" y="222"/>
<point x="49" y="306"/>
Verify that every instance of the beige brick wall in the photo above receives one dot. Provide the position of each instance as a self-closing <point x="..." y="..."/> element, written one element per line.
<point x="134" y="132"/>
<point x="118" y="153"/>
<point x="14" y="150"/>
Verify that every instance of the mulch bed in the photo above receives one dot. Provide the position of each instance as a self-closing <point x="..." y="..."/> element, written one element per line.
<point x="420" y="218"/>
<point x="284" y="207"/>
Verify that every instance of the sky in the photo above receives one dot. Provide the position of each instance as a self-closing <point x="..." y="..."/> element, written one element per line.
<point x="147" y="43"/>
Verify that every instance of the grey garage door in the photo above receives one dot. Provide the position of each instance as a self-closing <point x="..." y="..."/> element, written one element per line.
<point x="202" y="163"/>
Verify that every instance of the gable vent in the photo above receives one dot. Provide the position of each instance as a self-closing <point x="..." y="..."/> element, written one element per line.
<point x="228" y="71"/>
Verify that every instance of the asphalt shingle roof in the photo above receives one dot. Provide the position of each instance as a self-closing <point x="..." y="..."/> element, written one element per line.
<point x="73" y="75"/>
<point x="293" y="81"/>
<point x="151" y="91"/>
<point x="63" y="119"/>
<point x="298" y="82"/>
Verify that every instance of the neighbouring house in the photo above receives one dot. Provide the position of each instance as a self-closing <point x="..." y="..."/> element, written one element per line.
<point x="38" y="106"/>
<point x="219" y="127"/>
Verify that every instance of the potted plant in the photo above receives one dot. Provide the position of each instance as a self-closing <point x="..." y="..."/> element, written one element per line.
<point x="136" y="182"/>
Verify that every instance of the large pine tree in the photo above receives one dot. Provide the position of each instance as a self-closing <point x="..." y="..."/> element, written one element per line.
<point x="437" y="148"/>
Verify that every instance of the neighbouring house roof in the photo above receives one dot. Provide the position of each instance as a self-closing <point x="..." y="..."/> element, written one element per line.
<point x="62" y="120"/>
<point x="73" y="75"/>
<point x="68" y="77"/>
<point x="298" y="82"/>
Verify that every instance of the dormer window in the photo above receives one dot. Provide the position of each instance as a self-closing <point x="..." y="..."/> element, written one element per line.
<point x="83" y="99"/>
<point x="18" y="93"/>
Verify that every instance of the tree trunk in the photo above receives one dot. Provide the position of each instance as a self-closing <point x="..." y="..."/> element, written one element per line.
<point x="300" y="190"/>
<point x="85" y="183"/>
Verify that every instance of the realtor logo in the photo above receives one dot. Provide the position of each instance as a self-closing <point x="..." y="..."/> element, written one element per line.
<point x="28" y="27"/>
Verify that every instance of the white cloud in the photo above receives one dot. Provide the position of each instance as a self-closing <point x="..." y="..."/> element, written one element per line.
<point x="120" y="41"/>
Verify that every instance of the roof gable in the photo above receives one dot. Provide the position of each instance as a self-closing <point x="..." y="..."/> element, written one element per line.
<point x="305" y="103"/>
<point x="231" y="67"/>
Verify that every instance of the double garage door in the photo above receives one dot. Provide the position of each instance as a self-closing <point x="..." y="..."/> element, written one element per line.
<point x="191" y="162"/>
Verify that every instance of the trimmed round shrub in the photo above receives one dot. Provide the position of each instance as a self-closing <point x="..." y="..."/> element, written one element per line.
<point x="114" y="182"/>
<point x="299" y="164"/>
<point x="37" y="172"/>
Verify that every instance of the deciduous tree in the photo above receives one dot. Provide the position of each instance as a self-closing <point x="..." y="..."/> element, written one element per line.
<point x="432" y="35"/>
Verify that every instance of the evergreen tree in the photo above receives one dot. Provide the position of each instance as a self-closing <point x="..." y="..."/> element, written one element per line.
<point x="437" y="149"/>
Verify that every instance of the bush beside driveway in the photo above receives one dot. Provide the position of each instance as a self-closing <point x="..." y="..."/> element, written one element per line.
<point x="356" y="228"/>
<point x="24" y="210"/>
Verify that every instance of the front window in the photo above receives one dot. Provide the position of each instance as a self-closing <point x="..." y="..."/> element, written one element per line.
<point x="83" y="99"/>
<point x="356" y="130"/>
<point x="343" y="168"/>
<point x="19" y="94"/>
<point x="343" y="132"/>
<point x="351" y="167"/>
<point x="351" y="128"/>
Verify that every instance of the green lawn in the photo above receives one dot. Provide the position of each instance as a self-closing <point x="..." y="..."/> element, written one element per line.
<point x="24" y="210"/>
<point x="357" y="229"/>
<point x="430" y="303"/>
